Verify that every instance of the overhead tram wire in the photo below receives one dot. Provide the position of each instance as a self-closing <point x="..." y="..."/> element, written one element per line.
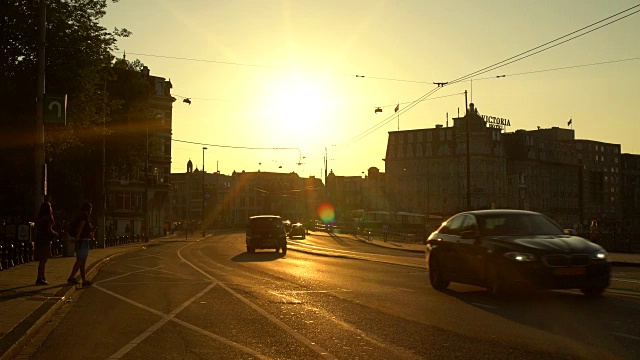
<point x="276" y="68"/>
<point x="389" y="118"/>
<point x="557" y="69"/>
<point x="500" y="64"/>
<point x="520" y="56"/>
<point x="241" y="147"/>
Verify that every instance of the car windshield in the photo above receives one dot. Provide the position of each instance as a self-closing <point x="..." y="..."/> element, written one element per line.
<point x="508" y="224"/>
<point x="265" y="223"/>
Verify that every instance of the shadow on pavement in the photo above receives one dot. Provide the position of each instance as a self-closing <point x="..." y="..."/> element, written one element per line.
<point x="258" y="256"/>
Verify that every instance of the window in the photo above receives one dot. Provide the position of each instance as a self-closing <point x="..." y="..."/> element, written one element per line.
<point x="410" y="137"/>
<point x="429" y="136"/>
<point x="453" y="226"/>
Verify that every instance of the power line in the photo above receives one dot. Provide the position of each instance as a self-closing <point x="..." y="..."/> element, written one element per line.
<point x="240" y="147"/>
<point x="500" y="64"/>
<point x="559" y="68"/>
<point x="520" y="56"/>
<point x="276" y="68"/>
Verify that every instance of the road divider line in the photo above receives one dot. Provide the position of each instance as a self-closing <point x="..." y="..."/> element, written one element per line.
<point x="140" y="338"/>
<point x="301" y="338"/>
<point x="626" y="336"/>
<point x="626" y="280"/>
<point x="173" y="273"/>
<point x="127" y="274"/>
<point x="178" y="321"/>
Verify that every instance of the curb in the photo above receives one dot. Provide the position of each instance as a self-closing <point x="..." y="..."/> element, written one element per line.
<point x="16" y="339"/>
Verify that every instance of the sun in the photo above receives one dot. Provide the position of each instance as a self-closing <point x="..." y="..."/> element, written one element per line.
<point x="297" y="105"/>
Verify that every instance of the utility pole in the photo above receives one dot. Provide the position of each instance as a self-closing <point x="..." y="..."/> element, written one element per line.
<point x="40" y="188"/>
<point x="203" y="216"/>
<point x="103" y="199"/>
<point x="325" y="173"/>
<point x="467" y="116"/>
<point x="146" y="186"/>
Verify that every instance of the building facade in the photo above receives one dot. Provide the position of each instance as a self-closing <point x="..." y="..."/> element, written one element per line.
<point x="135" y="199"/>
<point x="190" y="203"/>
<point x="445" y="170"/>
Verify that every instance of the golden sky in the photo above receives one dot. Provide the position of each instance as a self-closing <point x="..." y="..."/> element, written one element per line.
<point x="282" y="74"/>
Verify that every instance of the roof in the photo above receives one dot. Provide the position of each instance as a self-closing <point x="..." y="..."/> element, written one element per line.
<point x="499" y="212"/>
<point x="265" y="216"/>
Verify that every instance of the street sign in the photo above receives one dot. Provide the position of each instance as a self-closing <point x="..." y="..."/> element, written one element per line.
<point x="55" y="109"/>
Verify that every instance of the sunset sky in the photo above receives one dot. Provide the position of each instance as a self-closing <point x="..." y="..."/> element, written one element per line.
<point x="282" y="74"/>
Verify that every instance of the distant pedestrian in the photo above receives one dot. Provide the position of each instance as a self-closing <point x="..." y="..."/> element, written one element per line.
<point x="385" y="231"/>
<point x="81" y="229"/>
<point x="593" y="231"/>
<point x="44" y="237"/>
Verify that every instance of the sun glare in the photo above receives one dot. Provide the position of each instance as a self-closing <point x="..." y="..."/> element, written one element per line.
<point x="296" y="106"/>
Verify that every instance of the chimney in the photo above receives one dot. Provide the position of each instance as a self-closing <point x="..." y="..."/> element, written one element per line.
<point x="145" y="71"/>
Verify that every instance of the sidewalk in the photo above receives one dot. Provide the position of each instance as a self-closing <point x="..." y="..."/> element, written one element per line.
<point x="616" y="259"/>
<point x="25" y="307"/>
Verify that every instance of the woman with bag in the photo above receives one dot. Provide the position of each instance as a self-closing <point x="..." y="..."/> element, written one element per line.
<point x="44" y="236"/>
<point x="81" y="230"/>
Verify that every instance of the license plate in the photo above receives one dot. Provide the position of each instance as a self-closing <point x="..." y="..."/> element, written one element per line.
<point x="570" y="271"/>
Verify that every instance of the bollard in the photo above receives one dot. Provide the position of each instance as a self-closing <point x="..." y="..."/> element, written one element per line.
<point x="9" y="250"/>
<point x="19" y="251"/>
<point x="2" y="267"/>
<point x="28" y="252"/>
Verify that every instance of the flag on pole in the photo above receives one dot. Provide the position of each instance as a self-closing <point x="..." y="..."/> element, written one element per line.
<point x="397" y="108"/>
<point x="570" y="121"/>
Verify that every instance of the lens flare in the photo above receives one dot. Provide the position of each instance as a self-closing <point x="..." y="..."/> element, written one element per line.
<point x="326" y="213"/>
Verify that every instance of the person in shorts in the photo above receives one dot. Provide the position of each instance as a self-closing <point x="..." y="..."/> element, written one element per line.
<point x="44" y="235"/>
<point x="81" y="230"/>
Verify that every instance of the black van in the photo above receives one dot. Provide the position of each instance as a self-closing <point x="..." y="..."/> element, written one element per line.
<point x="266" y="232"/>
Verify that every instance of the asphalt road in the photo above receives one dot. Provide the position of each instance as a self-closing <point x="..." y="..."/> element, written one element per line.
<point x="209" y="299"/>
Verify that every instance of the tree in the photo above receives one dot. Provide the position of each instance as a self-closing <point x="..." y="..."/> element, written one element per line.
<point x="78" y="50"/>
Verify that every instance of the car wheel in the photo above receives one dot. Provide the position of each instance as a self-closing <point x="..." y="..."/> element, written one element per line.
<point x="495" y="284"/>
<point x="436" y="275"/>
<point x="593" y="291"/>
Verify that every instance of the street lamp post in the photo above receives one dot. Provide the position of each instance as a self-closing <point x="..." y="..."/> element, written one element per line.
<point x="203" y="217"/>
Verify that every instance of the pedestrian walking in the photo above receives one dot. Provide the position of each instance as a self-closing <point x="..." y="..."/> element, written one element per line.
<point x="593" y="231"/>
<point x="81" y="230"/>
<point x="44" y="237"/>
<point x="385" y="231"/>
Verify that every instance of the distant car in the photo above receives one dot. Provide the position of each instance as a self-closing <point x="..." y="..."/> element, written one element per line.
<point x="297" y="230"/>
<point x="266" y="232"/>
<point x="507" y="249"/>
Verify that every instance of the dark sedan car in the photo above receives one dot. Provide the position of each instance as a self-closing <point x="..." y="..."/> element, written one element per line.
<point x="297" y="230"/>
<point x="266" y="232"/>
<point x="507" y="249"/>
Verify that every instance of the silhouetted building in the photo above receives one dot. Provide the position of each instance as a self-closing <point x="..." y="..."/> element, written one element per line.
<point x="426" y="169"/>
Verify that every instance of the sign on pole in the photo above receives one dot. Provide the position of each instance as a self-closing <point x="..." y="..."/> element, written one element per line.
<point x="55" y="109"/>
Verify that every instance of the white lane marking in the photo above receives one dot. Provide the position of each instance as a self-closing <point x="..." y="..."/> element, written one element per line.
<point x="160" y="270"/>
<point x="160" y="282"/>
<point x="127" y="274"/>
<point x="148" y="256"/>
<point x="626" y="280"/>
<point x="485" y="305"/>
<point x="322" y="352"/>
<point x="190" y="326"/>
<point x="626" y="336"/>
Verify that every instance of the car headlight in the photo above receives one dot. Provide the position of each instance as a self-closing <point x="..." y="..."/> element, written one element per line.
<point x="599" y="255"/>
<point x="518" y="256"/>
